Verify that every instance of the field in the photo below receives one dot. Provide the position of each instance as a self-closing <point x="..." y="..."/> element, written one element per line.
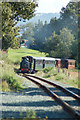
<point x="15" y="54"/>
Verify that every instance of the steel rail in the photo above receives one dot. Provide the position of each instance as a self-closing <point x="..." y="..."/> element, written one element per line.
<point x="64" y="105"/>
<point x="65" y="90"/>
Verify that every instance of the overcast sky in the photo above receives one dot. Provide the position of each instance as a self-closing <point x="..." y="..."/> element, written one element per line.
<point x="51" y="6"/>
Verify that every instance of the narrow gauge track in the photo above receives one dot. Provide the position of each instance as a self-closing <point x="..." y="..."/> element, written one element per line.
<point x="64" y="105"/>
<point x="68" y="92"/>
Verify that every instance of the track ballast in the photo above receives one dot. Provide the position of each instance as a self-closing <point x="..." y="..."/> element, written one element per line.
<point x="54" y="96"/>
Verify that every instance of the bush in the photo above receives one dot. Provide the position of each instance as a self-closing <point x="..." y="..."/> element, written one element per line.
<point x="5" y="86"/>
<point x="79" y="82"/>
<point x="12" y="82"/>
<point x="30" y="114"/>
<point x="9" y="79"/>
<point x="46" y="76"/>
<point x="46" y="70"/>
<point x="59" y="76"/>
<point x="54" y="73"/>
<point x="17" y="62"/>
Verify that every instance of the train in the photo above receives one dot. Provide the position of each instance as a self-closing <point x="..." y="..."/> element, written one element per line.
<point x="30" y="64"/>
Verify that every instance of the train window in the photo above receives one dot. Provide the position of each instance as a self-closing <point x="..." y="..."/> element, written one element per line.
<point x="71" y="63"/>
<point x="47" y="62"/>
<point x="39" y="61"/>
<point x="52" y="62"/>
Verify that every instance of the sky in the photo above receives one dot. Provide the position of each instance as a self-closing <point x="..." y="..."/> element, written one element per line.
<point x="51" y="6"/>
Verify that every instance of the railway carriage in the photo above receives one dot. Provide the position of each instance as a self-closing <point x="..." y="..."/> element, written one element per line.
<point x="65" y="63"/>
<point x="42" y="62"/>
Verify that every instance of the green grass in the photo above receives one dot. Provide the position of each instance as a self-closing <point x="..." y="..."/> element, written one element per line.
<point x="61" y="75"/>
<point x="15" y="55"/>
<point x="9" y="80"/>
<point x="79" y="82"/>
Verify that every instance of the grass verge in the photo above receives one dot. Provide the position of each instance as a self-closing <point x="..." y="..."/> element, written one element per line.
<point x="62" y="75"/>
<point x="9" y="80"/>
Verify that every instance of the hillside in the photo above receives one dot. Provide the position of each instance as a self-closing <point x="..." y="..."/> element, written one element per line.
<point x="15" y="55"/>
<point x="42" y="16"/>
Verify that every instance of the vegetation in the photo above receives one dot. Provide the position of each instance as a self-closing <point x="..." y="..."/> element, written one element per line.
<point x="27" y="31"/>
<point x="28" y="115"/>
<point x="60" y="45"/>
<point x="12" y="12"/>
<point x="10" y="81"/>
<point x="59" y="38"/>
<point x="15" y="55"/>
<point x="64" y="76"/>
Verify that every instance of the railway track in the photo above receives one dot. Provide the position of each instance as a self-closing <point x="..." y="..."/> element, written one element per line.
<point x="54" y="96"/>
<point x="68" y="92"/>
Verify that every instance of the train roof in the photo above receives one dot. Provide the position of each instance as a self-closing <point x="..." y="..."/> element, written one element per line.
<point x="70" y="59"/>
<point x="44" y="58"/>
<point x="65" y="59"/>
<point x="48" y="58"/>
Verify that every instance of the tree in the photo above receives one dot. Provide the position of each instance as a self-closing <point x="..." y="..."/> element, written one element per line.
<point x="12" y="12"/>
<point x="67" y="39"/>
<point x="60" y="45"/>
<point x="28" y="34"/>
<point x="38" y="35"/>
<point x="51" y="43"/>
<point x="69" y="17"/>
<point x="78" y="35"/>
